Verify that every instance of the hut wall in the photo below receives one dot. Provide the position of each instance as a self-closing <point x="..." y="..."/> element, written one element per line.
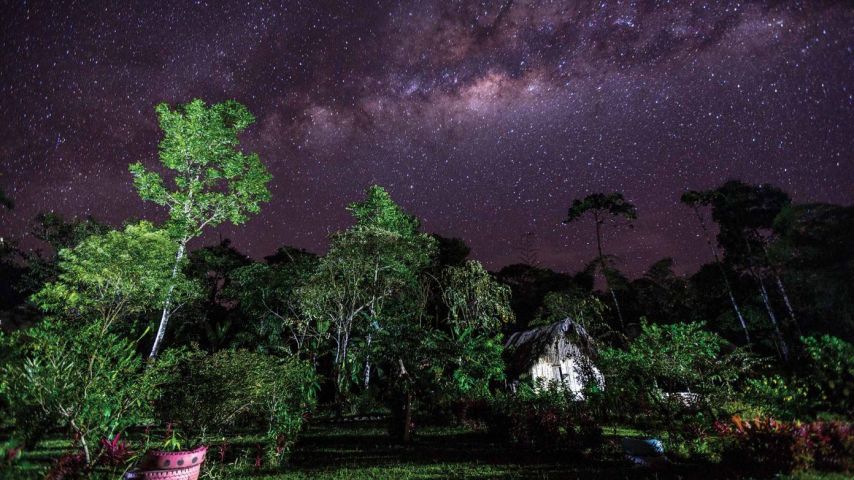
<point x="546" y="370"/>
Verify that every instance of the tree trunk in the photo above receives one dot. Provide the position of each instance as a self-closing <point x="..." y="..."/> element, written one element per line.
<point x="367" y="377"/>
<point x="164" y="317"/>
<point x="788" y="303"/>
<point x="737" y="311"/>
<point x="784" y="349"/>
<point x="84" y="443"/>
<point x="718" y="262"/>
<point x="604" y="272"/>
<point x="407" y="419"/>
<point x="617" y="307"/>
<point x="781" y="288"/>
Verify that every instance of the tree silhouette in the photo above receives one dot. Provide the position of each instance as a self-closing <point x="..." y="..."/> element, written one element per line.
<point x="696" y="200"/>
<point x="601" y="207"/>
<point x="745" y="214"/>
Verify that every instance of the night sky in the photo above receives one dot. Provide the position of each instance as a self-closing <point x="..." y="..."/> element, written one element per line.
<point x="484" y="119"/>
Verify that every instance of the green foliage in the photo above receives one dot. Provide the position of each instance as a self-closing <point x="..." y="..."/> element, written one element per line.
<point x="545" y="416"/>
<point x="476" y="362"/>
<point x="379" y="211"/>
<point x="58" y="233"/>
<point x="212" y="395"/>
<point x="831" y="373"/>
<point x="473" y="299"/>
<point x="646" y="379"/>
<point x="269" y="296"/>
<point x="114" y="275"/>
<point x="369" y="276"/>
<point x="213" y="180"/>
<point x="587" y="310"/>
<point x="823" y="383"/>
<point x="78" y="376"/>
<point x="778" y="396"/>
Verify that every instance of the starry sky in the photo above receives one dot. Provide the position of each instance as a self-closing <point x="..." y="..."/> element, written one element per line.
<point x="484" y="119"/>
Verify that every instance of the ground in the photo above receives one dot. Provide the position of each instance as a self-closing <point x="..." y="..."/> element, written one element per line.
<point x="361" y="450"/>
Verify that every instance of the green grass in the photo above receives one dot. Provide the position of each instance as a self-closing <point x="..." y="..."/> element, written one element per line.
<point x="357" y="451"/>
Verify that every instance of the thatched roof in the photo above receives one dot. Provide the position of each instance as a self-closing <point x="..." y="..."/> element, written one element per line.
<point x="554" y="342"/>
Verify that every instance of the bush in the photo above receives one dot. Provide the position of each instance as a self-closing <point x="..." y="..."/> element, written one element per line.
<point x="80" y="377"/>
<point x="824" y="382"/>
<point x="830" y="378"/>
<point x="769" y="446"/>
<point x="669" y="373"/>
<point x="211" y="395"/>
<point x="781" y="398"/>
<point x="548" y="417"/>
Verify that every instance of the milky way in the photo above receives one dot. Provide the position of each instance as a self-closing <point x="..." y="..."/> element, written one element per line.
<point x="484" y="119"/>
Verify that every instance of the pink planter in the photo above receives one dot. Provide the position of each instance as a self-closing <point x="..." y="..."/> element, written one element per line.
<point x="162" y="465"/>
<point x="191" y="473"/>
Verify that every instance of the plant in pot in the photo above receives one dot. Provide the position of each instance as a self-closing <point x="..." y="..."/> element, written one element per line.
<point x="173" y="459"/>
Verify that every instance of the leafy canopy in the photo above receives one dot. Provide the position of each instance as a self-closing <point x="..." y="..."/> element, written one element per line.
<point x="474" y="299"/>
<point x="213" y="181"/>
<point x="599" y="203"/>
<point x="114" y="275"/>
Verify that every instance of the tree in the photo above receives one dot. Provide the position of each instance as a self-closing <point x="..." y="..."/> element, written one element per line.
<point x="601" y="207"/>
<point x="745" y="214"/>
<point x="80" y="376"/>
<point x="213" y="181"/>
<point x="454" y="356"/>
<point x="111" y="276"/>
<point x="373" y="262"/>
<point x="584" y="308"/>
<point x="269" y="295"/>
<point x="529" y="286"/>
<point x="815" y="245"/>
<point x="209" y="320"/>
<point x="57" y="233"/>
<point x="477" y="308"/>
<point x="696" y="200"/>
<point x="474" y="299"/>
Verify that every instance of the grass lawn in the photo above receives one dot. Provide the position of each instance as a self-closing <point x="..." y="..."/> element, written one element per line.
<point x="362" y="451"/>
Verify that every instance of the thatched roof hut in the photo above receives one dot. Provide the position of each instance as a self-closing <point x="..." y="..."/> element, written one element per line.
<point x="561" y="351"/>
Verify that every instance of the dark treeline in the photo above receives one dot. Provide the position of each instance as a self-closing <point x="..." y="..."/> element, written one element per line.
<point x="780" y="270"/>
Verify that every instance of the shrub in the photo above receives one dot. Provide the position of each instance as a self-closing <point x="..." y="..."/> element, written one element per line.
<point x="782" y="398"/>
<point x="830" y="378"/>
<point x="80" y="377"/>
<point x="769" y="446"/>
<point x="824" y="382"/>
<point x="647" y="380"/>
<point x="211" y="395"/>
<point x="548" y="417"/>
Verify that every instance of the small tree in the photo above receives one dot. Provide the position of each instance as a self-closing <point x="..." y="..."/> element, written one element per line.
<point x="745" y="214"/>
<point x="601" y="207"/>
<point x="213" y="181"/>
<point x="80" y="376"/>
<point x="368" y="265"/>
<point x="110" y="277"/>
<point x="474" y="299"/>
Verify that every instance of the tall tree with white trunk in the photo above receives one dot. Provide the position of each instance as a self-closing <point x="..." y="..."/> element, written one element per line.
<point x="212" y="181"/>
